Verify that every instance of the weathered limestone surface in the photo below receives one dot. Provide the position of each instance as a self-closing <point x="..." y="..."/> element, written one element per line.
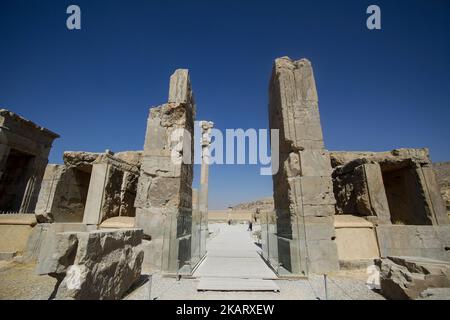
<point x="92" y="265"/>
<point x="24" y="149"/>
<point x="164" y="196"/>
<point x="40" y="232"/>
<point x="206" y="127"/>
<point x="388" y="158"/>
<point x="359" y="190"/>
<point x="89" y="187"/>
<point x="195" y="229"/>
<point x="303" y="190"/>
<point x="118" y="223"/>
<point x="418" y="241"/>
<point x="356" y="239"/>
<point x="14" y="232"/>
<point x="63" y="194"/>
<point x="397" y="187"/>
<point x="408" y="277"/>
<point x="442" y="171"/>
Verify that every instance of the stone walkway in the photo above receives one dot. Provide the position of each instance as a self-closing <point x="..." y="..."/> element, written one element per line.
<point x="232" y="254"/>
<point x="18" y="281"/>
<point x="233" y="263"/>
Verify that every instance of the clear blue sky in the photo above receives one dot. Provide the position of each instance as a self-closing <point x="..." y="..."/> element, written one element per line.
<point x="378" y="90"/>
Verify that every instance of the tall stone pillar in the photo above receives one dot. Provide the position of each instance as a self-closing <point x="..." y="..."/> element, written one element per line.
<point x="206" y="127"/>
<point x="164" y="195"/>
<point x="196" y="230"/>
<point x="303" y="191"/>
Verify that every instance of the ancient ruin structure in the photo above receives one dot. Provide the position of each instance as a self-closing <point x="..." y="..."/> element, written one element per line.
<point x="442" y="170"/>
<point x="24" y="149"/>
<point x="89" y="188"/>
<point x="398" y="192"/>
<point x="199" y="231"/>
<point x="387" y="203"/>
<point x="397" y="187"/>
<point x="303" y="191"/>
<point x="164" y="195"/>
<point x="99" y="216"/>
<point x="206" y="127"/>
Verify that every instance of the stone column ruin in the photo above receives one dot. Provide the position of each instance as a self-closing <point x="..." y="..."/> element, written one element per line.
<point x="206" y="127"/>
<point x="164" y="197"/>
<point x="303" y="191"/>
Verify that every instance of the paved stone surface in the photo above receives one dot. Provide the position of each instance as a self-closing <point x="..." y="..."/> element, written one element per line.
<point x="18" y="281"/>
<point x="344" y="285"/>
<point x="232" y="253"/>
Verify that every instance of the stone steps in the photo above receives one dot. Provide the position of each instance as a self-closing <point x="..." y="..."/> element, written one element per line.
<point x="236" y="284"/>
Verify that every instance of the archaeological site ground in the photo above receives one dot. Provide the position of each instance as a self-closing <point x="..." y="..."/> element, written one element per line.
<point x="84" y="218"/>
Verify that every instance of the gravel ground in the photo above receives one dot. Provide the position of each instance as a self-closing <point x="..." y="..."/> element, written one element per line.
<point x="341" y="286"/>
<point x="19" y="282"/>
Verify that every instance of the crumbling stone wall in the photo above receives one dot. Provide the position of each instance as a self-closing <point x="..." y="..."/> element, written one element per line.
<point x="359" y="190"/>
<point x="164" y="197"/>
<point x="63" y="194"/>
<point x="303" y="195"/>
<point x="442" y="170"/>
<point x="416" y="241"/>
<point x="89" y="188"/>
<point x="398" y="191"/>
<point x="24" y="149"/>
<point x="397" y="186"/>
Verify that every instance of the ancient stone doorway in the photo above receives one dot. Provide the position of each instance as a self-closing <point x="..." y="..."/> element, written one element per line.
<point x="13" y="182"/>
<point x="73" y="195"/>
<point x="405" y="197"/>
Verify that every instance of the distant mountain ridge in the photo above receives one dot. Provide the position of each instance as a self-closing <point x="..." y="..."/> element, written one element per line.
<point x="261" y="204"/>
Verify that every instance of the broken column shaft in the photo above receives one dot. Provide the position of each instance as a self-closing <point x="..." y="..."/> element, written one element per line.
<point x="303" y="194"/>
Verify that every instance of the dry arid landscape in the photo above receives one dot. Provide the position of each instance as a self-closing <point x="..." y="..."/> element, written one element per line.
<point x="129" y="225"/>
<point x="215" y="158"/>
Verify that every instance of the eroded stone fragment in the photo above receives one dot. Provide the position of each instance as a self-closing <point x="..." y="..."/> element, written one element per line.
<point x="409" y="277"/>
<point x="92" y="265"/>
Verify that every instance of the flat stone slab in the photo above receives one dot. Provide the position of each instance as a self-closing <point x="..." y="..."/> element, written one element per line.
<point x="236" y="284"/>
<point x="118" y="223"/>
<point x="18" y="219"/>
<point x="351" y="221"/>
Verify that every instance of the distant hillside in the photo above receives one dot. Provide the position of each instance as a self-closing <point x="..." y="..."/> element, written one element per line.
<point x="261" y="204"/>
